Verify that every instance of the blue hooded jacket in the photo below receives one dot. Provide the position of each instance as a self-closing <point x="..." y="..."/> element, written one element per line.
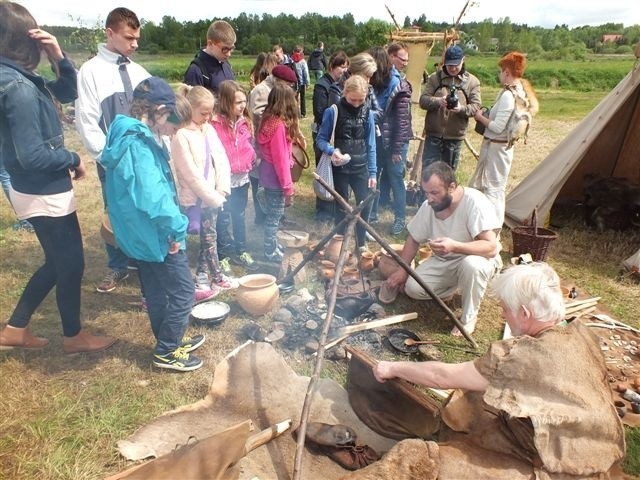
<point x="141" y="194"/>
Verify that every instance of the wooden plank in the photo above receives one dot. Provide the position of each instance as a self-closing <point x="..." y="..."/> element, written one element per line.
<point x="358" y="327"/>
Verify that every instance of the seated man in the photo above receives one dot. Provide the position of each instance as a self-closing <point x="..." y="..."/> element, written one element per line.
<point x="459" y="223"/>
<point x="539" y="399"/>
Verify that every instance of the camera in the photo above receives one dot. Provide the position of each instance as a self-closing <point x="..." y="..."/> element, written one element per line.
<point x="452" y="98"/>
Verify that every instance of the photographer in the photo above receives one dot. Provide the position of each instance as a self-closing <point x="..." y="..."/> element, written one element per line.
<point x="450" y="96"/>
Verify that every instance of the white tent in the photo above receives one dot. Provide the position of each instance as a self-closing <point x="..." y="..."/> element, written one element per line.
<point x="633" y="262"/>
<point x="605" y="143"/>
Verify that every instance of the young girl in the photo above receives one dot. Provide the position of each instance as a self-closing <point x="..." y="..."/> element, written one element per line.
<point x="235" y="130"/>
<point x="278" y="128"/>
<point x="202" y="171"/>
<point x="354" y="135"/>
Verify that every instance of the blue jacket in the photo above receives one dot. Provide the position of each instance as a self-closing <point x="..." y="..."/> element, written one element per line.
<point x="31" y="141"/>
<point x="141" y="194"/>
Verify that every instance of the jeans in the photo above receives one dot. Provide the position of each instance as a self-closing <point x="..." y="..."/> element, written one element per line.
<point x="63" y="268"/>
<point x="395" y="177"/>
<point x="5" y="180"/>
<point x="169" y="291"/>
<point x="380" y="166"/>
<point x="236" y="205"/>
<point x="302" y="89"/>
<point x="316" y="74"/>
<point x="224" y="239"/>
<point x="441" y="149"/>
<point x="358" y="179"/>
<point x="116" y="258"/>
<point x="274" y="211"/>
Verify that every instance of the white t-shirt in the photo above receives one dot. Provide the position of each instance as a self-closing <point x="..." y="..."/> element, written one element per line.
<point x="474" y="215"/>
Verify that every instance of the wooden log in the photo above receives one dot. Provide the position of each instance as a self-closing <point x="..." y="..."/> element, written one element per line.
<point x="580" y="302"/>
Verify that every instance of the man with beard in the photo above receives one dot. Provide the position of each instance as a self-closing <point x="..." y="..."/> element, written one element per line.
<point x="459" y="225"/>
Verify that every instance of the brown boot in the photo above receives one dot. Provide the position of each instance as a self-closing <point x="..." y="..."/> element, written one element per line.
<point x="85" y="342"/>
<point x="13" y="337"/>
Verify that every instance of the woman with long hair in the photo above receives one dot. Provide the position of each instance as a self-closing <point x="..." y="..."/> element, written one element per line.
<point x="41" y="171"/>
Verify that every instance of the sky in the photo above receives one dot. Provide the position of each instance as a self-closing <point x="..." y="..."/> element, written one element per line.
<point x="543" y="13"/>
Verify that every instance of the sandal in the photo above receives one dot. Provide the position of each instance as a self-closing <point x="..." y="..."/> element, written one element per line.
<point x="352" y="457"/>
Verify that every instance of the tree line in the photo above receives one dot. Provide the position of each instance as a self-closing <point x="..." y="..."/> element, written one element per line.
<point x="257" y="33"/>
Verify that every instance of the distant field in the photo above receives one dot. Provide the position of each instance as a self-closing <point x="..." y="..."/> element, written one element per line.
<point x="596" y="73"/>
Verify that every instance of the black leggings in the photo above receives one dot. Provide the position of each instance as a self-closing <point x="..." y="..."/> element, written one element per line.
<point x="63" y="268"/>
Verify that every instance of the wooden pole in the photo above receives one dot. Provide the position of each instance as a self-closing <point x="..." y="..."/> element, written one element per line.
<point x="306" y="407"/>
<point x="383" y="243"/>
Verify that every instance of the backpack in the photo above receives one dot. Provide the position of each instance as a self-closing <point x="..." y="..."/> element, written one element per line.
<point x="520" y="119"/>
<point x="206" y="75"/>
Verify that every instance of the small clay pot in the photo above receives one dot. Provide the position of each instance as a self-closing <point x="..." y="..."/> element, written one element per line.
<point x="257" y="294"/>
<point x="350" y="273"/>
<point x="424" y="253"/>
<point x="332" y="251"/>
<point x="388" y="265"/>
<point x="328" y="273"/>
<point x="367" y="261"/>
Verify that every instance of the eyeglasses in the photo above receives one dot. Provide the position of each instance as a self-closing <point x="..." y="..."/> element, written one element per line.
<point x="403" y="60"/>
<point x="225" y="49"/>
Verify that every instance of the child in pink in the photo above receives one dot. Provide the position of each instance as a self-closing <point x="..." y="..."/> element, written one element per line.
<point x="278" y="129"/>
<point x="235" y="130"/>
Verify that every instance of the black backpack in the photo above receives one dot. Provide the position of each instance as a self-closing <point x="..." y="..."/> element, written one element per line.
<point x="197" y="61"/>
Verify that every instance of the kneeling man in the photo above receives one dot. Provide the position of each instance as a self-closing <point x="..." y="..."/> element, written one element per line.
<point x="460" y="226"/>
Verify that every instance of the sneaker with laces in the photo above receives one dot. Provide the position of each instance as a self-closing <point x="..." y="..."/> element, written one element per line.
<point x="202" y="281"/>
<point x="111" y="280"/>
<point x="190" y="343"/>
<point x="274" y="257"/>
<point x="225" y="266"/>
<point x="204" y="295"/>
<point x="398" y="227"/>
<point x="179" y="360"/>
<point x="245" y="260"/>
<point x="225" y="283"/>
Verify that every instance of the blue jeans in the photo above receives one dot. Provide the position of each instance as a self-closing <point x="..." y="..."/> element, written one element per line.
<point x="237" y="205"/>
<point x="63" y="268"/>
<point x="395" y="180"/>
<point x="169" y="291"/>
<point x="441" y="149"/>
<point x="358" y="180"/>
<point x="116" y="259"/>
<point x="259" y="214"/>
<point x="274" y="210"/>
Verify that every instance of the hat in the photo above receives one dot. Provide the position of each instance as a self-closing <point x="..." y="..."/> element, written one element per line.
<point x="284" y="73"/>
<point x="156" y="91"/>
<point x="453" y="56"/>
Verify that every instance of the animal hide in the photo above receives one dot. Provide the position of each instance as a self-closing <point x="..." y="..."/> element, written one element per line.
<point x="254" y="382"/>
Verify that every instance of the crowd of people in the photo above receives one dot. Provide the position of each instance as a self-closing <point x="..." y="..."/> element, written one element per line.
<point x="173" y="163"/>
<point x="228" y="139"/>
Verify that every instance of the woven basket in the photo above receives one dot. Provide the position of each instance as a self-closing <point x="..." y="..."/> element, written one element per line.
<point x="532" y="239"/>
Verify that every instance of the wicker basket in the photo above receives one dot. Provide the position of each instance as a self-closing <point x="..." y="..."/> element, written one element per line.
<point x="532" y="239"/>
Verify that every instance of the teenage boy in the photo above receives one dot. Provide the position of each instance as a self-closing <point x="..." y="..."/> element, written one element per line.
<point x="105" y="86"/>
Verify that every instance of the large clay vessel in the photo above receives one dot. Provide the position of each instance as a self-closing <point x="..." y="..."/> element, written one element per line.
<point x="258" y="293"/>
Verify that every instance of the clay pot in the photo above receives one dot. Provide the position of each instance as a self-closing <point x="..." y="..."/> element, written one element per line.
<point x="350" y="273"/>
<point x="332" y="251"/>
<point x="388" y="265"/>
<point x="424" y="253"/>
<point x="367" y="261"/>
<point x="258" y="293"/>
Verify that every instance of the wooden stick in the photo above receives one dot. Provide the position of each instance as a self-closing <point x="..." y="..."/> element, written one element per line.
<point x="577" y="308"/>
<point x="360" y="326"/>
<point x="580" y="302"/>
<point x="306" y="407"/>
<point x="583" y="313"/>
<point x="266" y="435"/>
